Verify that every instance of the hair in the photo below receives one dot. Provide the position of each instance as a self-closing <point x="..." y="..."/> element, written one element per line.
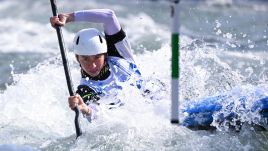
<point x="77" y="57"/>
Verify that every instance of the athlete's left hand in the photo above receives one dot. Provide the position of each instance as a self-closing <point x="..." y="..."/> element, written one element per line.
<point x="76" y="100"/>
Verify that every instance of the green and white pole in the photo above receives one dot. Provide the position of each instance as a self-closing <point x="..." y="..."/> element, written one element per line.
<point x="175" y="63"/>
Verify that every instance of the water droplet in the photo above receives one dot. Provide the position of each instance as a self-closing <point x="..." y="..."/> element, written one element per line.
<point x="233" y="46"/>
<point x="249" y="70"/>
<point x="12" y="68"/>
<point x="251" y="46"/>
<point x="262" y="61"/>
<point x="218" y="24"/>
<point x="229" y="35"/>
<point x="218" y="32"/>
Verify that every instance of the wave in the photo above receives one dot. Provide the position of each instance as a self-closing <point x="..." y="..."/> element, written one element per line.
<point x="12" y="147"/>
<point x="35" y="108"/>
<point x="18" y="35"/>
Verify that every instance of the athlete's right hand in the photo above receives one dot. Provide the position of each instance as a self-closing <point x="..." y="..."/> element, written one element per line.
<point x="59" y="20"/>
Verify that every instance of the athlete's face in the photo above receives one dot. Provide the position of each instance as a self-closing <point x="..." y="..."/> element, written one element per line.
<point x="92" y="65"/>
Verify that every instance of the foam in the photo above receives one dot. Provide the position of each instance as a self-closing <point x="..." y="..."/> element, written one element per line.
<point x="18" y="35"/>
<point x="12" y="147"/>
<point x="34" y="109"/>
<point x="36" y="104"/>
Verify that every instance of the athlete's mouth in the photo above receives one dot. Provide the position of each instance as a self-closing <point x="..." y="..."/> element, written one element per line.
<point x="94" y="71"/>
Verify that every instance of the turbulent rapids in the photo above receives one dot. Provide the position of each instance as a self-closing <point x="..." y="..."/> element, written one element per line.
<point x="223" y="74"/>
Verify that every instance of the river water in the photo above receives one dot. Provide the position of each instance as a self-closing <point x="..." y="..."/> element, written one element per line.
<point x="224" y="46"/>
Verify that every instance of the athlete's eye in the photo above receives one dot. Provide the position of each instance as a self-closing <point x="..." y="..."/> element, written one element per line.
<point x="85" y="58"/>
<point x="98" y="56"/>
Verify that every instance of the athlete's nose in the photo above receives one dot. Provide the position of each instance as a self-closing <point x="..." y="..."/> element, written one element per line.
<point x="94" y="65"/>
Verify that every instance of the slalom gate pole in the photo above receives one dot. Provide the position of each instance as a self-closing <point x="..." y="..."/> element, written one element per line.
<point x="175" y="42"/>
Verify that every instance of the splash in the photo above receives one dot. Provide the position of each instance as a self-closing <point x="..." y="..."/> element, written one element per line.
<point x="29" y="37"/>
<point x="34" y="109"/>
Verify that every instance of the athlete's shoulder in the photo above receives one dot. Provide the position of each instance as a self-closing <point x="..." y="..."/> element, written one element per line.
<point x="119" y="46"/>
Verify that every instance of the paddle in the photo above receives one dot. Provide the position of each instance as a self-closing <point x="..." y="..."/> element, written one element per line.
<point x="66" y="68"/>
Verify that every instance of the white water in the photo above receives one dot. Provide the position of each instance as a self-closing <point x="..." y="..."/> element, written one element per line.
<point x="25" y="36"/>
<point x="35" y="112"/>
<point x="34" y="109"/>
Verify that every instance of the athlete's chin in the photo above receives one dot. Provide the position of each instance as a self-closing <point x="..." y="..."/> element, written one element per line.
<point x="94" y="74"/>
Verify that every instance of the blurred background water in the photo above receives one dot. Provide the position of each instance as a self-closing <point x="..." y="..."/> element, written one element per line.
<point x="224" y="45"/>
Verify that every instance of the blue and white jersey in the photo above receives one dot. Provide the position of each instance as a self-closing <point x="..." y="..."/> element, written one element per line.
<point x="121" y="70"/>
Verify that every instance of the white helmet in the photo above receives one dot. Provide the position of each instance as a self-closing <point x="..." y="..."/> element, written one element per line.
<point x="88" y="42"/>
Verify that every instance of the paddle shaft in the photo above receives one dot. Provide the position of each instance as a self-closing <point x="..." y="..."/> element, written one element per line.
<point x="66" y="68"/>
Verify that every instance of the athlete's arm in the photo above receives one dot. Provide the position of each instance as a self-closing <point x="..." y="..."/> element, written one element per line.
<point x="105" y="16"/>
<point x="117" y="41"/>
<point x="116" y="38"/>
